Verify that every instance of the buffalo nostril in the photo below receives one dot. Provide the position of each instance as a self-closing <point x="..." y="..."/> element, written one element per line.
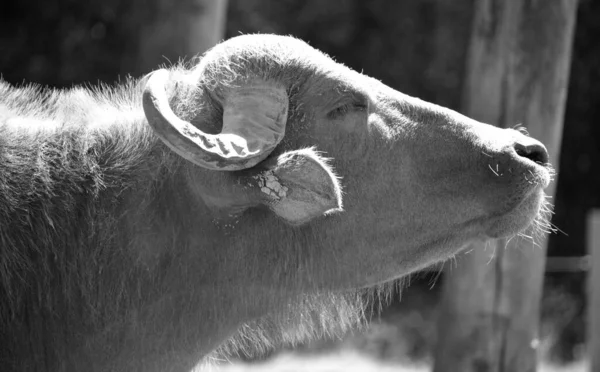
<point x="533" y="151"/>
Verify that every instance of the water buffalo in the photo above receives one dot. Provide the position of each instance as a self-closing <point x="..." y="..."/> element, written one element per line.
<point x="254" y="195"/>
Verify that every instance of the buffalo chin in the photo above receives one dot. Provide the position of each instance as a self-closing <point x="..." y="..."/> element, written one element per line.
<point x="519" y="218"/>
<point x="307" y="317"/>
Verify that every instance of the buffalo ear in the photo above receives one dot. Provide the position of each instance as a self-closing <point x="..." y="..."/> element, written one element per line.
<point x="299" y="186"/>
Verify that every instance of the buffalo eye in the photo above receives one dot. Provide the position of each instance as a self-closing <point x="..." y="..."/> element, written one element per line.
<point x="346" y="108"/>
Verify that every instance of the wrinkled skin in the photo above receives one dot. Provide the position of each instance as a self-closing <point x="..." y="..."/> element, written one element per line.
<point x="204" y="255"/>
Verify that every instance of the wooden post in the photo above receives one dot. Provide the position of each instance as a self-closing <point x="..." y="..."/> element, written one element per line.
<point x="517" y="72"/>
<point x="593" y="308"/>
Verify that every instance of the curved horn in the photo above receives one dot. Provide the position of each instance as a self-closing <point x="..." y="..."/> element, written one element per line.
<point x="254" y="119"/>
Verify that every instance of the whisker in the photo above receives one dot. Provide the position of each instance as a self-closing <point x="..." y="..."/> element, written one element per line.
<point x="520" y="128"/>
<point x="492" y="169"/>
<point x="523" y="235"/>
<point x="455" y="261"/>
<point x="493" y="255"/>
<point x="437" y="276"/>
<point x="556" y="229"/>
<point x="510" y="239"/>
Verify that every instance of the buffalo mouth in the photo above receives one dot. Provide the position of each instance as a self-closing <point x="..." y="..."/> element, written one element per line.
<point x="525" y="203"/>
<point x="528" y="210"/>
<point x="518" y="219"/>
<point x="535" y="174"/>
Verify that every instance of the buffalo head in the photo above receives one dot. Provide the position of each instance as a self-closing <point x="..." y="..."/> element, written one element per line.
<point x="358" y="182"/>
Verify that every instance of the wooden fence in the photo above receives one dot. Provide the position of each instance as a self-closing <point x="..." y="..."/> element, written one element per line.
<point x="517" y="72"/>
<point x="593" y="336"/>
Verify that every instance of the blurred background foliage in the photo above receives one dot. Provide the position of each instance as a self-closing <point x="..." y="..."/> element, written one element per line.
<point x="417" y="47"/>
